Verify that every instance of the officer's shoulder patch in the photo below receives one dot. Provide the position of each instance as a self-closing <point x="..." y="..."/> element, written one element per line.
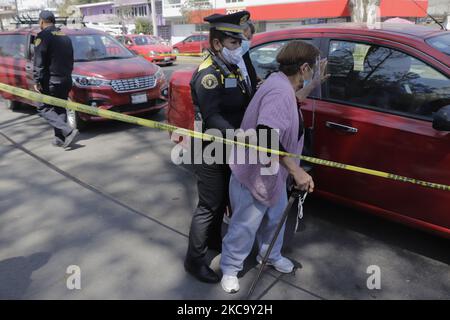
<point x="37" y="42"/>
<point x="209" y="81"/>
<point x="58" y="33"/>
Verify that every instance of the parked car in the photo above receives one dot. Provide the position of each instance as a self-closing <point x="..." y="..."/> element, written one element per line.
<point x="196" y="43"/>
<point x="388" y="87"/>
<point x="149" y="47"/>
<point x="106" y="74"/>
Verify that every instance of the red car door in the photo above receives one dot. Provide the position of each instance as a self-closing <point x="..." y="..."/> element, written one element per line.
<point x="183" y="46"/>
<point x="377" y="114"/>
<point x="13" y="62"/>
<point x="189" y="45"/>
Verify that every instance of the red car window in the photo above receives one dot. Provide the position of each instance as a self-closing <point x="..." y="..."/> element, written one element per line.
<point x="264" y="57"/>
<point x="92" y="47"/>
<point x="13" y="45"/>
<point x="384" y="78"/>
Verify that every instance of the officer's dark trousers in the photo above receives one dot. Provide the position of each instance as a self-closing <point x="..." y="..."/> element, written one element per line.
<point x="206" y="226"/>
<point x="56" y="116"/>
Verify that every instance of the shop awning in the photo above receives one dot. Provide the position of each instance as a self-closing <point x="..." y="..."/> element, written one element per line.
<point x="318" y="9"/>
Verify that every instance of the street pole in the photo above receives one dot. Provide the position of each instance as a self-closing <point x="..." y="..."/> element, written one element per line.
<point x="155" y="27"/>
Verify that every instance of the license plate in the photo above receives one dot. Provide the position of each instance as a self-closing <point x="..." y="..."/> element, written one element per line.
<point x="138" y="98"/>
<point x="167" y="59"/>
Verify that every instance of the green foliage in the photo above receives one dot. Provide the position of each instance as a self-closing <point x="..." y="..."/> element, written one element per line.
<point x="63" y="8"/>
<point x="143" y="26"/>
<point x="191" y="8"/>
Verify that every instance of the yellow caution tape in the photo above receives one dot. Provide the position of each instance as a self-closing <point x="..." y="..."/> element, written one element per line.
<point x="34" y="96"/>
<point x="181" y="54"/>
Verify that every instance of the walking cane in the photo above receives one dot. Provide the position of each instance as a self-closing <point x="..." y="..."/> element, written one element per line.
<point x="295" y="194"/>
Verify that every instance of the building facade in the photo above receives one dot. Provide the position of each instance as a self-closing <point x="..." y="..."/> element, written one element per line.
<point x="7" y="12"/>
<point x="125" y="12"/>
<point x="271" y="15"/>
<point x="100" y="12"/>
<point x="440" y="9"/>
<point x="25" y="8"/>
<point x="177" y="19"/>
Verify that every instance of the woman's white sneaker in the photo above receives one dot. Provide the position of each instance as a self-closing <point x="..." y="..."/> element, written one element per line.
<point x="230" y="284"/>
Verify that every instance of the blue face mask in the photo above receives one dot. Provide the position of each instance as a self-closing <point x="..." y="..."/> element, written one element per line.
<point x="245" y="46"/>
<point x="308" y="81"/>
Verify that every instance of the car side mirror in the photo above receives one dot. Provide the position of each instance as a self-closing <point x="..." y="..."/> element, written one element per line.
<point x="441" y="119"/>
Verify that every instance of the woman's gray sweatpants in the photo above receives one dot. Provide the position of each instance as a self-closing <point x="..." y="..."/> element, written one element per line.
<point x="250" y="219"/>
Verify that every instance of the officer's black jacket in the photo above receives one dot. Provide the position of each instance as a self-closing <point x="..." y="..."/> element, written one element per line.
<point x="221" y="107"/>
<point x="53" y="56"/>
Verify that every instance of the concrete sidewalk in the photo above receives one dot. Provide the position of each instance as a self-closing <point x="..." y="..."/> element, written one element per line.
<point x="120" y="210"/>
<point x="50" y="220"/>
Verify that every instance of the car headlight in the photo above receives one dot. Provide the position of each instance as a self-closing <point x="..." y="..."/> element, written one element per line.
<point x="159" y="74"/>
<point x="83" y="81"/>
<point x="153" y="53"/>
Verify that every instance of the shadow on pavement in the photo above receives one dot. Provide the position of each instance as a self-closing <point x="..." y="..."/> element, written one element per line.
<point x="15" y="274"/>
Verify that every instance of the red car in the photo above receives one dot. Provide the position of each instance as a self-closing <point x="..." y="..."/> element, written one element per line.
<point x="196" y="43"/>
<point x="106" y="74"/>
<point x="388" y="87"/>
<point x="149" y="47"/>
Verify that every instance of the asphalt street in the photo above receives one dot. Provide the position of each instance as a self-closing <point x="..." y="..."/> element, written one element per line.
<point x="118" y="208"/>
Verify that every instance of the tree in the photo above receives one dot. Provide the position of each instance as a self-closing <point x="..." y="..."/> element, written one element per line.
<point x="364" y="10"/>
<point x="63" y="8"/>
<point x="194" y="10"/>
<point x="143" y="26"/>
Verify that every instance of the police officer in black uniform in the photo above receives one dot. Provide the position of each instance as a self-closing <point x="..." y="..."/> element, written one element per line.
<point x="53" y="65"/>
<point x="220" y="95"/>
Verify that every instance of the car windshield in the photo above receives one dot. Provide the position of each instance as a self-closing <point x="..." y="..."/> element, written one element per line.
<point x="91" y="47"/>
<point x="442" y="43"/>
<point x="144" y="41"/>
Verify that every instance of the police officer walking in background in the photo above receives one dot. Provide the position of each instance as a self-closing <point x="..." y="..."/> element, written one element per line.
<point x="220" y="94"/>
<point x="52" y="74"/>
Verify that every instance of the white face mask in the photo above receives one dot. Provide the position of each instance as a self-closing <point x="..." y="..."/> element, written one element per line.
<point x="245" y="46"/>
<point x="232" y="56"/>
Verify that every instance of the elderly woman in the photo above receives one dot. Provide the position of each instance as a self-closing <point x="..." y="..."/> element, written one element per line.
<point x="257" y="200"/>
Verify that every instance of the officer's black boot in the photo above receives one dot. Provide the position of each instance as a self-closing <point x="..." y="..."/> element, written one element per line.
<point x="200" y="270"/>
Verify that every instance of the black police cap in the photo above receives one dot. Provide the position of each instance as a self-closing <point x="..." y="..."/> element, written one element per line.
<point x="230" y="24"/>
<point x="47" y="16"/>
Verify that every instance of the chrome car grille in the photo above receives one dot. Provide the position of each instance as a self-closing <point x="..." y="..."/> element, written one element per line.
<point x="133" y="84"/>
